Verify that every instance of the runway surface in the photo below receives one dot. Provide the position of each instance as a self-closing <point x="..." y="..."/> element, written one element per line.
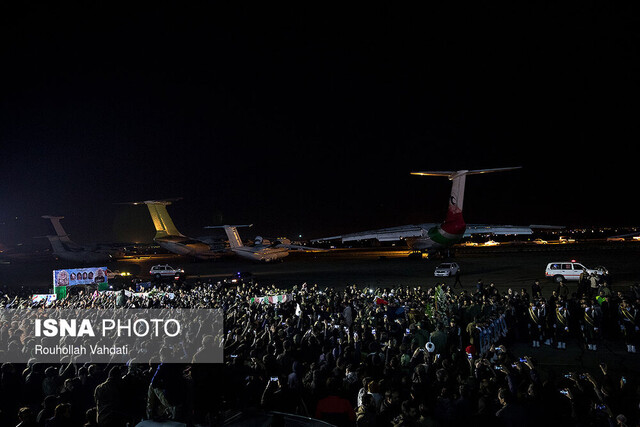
<point x="508" y="267"/>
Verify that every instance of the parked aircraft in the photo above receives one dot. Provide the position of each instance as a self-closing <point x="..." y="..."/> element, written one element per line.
<point x="76" y="254"/>
<point x="432" y="237"/>
<point x="169" y="238"/>
<point x="116" y="250"/>
<point x="257" y="252"/>
<point x="65" y="248"/>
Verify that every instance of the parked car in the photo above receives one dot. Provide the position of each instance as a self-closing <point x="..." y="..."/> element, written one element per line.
<point x="570" y="270"/>
<point x="446" y="269"/>
<point x="162" y="271"/>
<point x="116" y="274"/>
<point x="564" y="239"/>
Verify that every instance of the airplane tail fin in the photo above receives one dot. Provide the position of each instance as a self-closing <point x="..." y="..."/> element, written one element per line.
<point x="454" y="223"/>
<point x="57" y="226"/>
<point x="232" y="234"/>
<point x="161" y="220"/>
<point x="56" y="244"/>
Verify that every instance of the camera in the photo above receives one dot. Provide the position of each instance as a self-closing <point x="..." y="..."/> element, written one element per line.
<point x="565" y="392"/>
<point x="274" y="379"/>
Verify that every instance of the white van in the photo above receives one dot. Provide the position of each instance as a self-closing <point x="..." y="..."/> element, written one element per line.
<point x="570" y="270"/>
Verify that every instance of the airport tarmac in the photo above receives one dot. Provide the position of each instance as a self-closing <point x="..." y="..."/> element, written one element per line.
<point x="508" y="267"/>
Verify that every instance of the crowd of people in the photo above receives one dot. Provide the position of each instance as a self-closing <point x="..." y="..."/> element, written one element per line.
<point x="402" y="356"/>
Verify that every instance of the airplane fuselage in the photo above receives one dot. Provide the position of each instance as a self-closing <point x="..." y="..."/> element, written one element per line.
<point x="187" y="247"/>
<point x="262" y="254"/>
<point x="434" y="238"/>
<point x="75" y="253"/>
<point x="451" y="231"/>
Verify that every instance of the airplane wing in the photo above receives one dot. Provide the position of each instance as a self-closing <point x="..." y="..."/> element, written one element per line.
<point x="507" y="229"/>
<point x="496" y="229"/>
<point x="418" y="230"/>
<point x="297" y="247"/>
<point x="384" y="234"/>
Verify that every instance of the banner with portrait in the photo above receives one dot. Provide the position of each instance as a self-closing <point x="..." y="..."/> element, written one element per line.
<point x="79" y="276"/>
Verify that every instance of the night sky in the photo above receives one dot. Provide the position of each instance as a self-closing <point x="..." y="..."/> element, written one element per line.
<point x="308" y="120"/>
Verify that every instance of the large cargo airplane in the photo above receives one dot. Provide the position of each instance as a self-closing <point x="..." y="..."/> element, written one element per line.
<point x="169" y="238"/>
<point x="432" y="237"/>
<point x="68" y="250"/>
<point x="114" y="249"/>
<point x="257" y="252"/>
<point x="77" y="254"/>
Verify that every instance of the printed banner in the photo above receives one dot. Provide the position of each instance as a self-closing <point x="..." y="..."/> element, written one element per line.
<point x="272" y="299"/>
<point x="46" y="298"/>
<point x="80" y="276"/>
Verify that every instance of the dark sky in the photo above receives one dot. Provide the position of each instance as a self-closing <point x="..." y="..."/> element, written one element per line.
<point x="308" y="120"/>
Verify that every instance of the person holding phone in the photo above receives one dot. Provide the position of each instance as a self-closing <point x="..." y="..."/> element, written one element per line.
<point x="277" y="396"/>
